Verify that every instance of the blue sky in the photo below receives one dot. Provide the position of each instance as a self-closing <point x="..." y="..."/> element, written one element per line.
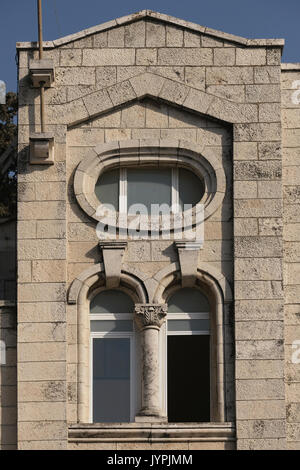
<point x="248" y="18"/>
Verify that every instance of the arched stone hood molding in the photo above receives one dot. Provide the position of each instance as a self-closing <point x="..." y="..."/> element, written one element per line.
<point x="169" y="278"/>
<point x="155" y="152"/>
<point x="133" y="279"/>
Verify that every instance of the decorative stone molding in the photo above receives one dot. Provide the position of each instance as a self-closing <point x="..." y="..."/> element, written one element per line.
<point x="41" y="71"/>
<point x="41" y="148"/>
<point x="132" y="277"/>
<point x="112" y="252"/>
<point x="206" y="273"/>
<point x="158" y="152"/>
<point x="152" y="432"/>
<point x="188" y="259"/>
<point x="150" y="315"/>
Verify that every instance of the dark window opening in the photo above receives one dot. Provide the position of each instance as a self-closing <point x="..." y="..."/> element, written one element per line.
<point x="188" y="378"/>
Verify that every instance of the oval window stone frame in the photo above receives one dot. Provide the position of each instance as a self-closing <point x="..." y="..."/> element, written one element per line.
<point x="143" y="152"/>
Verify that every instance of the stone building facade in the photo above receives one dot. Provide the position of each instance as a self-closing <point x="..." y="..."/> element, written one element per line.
<point x="149" y="90"/>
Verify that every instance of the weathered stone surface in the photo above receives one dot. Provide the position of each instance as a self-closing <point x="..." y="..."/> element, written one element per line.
<point x="266" y="74"/>
<point x="257" y="132"/>
<point x="135" y="34"/>
<point x="258" y="247"/>
<point x="70" y="57"/>
<point x="174" y="37"/>
<point x="75" y="76"/>
<point x="155" y="34"/>
<point x="262" y="93"/>
<point x="257" y="170"/>
<point x="263" y="409"/>
<point x="42" y="292"/>
<point x="146" y="56"/>
<point x="42" y="249"/>
<point x="251" y="56"/>
<point x="261" y="428"/>
<point x="258" y="269"/>
<point x="111" y="56"/>
<point x="191" y="56"/>
<point x="258" y="349"/>
<point x="259" y="207"/>
<point x="259" y="369"/>
<point x="224" y="57"/>
<point x="229" y="75"/>
<point x="259" y="330"/>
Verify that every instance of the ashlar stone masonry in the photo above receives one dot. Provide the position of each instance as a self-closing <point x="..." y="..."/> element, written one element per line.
<point x="148" y="87"/>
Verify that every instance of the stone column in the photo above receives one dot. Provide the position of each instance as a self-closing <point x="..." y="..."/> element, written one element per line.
<point x="149" y="318"/>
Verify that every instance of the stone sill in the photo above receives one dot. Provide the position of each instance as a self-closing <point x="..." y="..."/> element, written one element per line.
<point x="151" y="432"/>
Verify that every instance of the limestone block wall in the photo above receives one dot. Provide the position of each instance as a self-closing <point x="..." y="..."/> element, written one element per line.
<point x="149" y="76"/>
<point x="291" y="236"/>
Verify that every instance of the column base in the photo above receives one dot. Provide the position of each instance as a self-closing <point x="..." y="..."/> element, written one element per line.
<point x="150" y="415"/>
<point x="150" y="419"/>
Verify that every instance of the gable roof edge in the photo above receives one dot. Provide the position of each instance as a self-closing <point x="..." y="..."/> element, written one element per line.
<point x="158" y="16"/>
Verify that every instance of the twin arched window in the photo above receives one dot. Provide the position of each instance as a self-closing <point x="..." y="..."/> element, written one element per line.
<point x="115" y="356"/>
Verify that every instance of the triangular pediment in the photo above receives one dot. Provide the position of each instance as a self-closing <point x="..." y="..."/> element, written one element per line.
<point x="158" y="17"/>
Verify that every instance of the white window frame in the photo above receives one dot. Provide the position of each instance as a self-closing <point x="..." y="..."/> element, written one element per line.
<point x="111" y="334"/>
<point x="123" y="189"/>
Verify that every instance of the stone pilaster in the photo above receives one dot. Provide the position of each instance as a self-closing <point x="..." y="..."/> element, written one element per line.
<point x="149" y="318"/>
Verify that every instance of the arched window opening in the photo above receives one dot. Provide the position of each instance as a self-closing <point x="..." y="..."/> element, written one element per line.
<point x="188" y="357"/>
<point x="112" y="351"/>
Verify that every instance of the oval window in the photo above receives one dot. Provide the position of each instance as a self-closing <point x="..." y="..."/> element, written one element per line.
<point x="124" y="187"/>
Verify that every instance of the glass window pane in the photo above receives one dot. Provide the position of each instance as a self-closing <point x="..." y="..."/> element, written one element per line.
<point x="111" y="325"/>
<point x="111" y="301"/>
<point x="148" y="186"/>
<point x="188" y="300"/>
<point x="191" y="188"/>
<point x="111" y="380"/>
<point x="188" y="325"/>
<point x="107" y="188"/>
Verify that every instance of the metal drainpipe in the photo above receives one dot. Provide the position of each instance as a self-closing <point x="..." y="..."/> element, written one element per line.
<point x="42" y="88"/>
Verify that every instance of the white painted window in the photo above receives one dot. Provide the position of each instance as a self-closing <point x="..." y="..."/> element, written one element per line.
<point x="113" y="358"/>
<point x="125" y="187"/>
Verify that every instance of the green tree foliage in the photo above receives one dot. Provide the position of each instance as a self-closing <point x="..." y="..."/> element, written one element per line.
<point x="8" y="179"/>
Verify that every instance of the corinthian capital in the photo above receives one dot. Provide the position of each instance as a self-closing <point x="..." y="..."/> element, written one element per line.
<point x="150" y="314"/>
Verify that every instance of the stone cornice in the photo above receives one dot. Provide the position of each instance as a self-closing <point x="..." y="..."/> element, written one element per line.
<point x="157" y="16"/>
<point x="288" y="67"/>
